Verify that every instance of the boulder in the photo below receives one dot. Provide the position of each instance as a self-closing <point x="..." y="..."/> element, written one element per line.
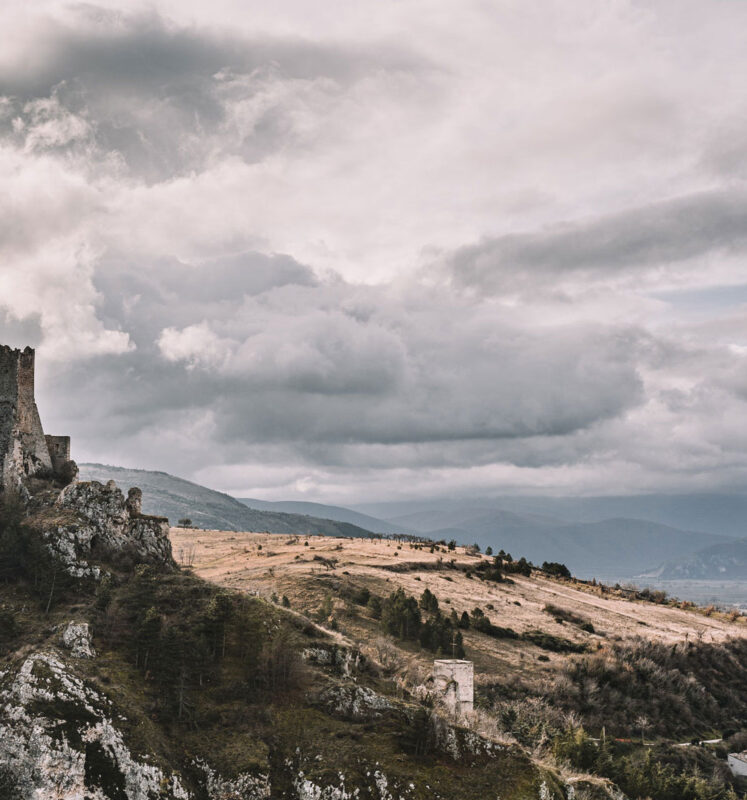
<point x="77" y="639"/>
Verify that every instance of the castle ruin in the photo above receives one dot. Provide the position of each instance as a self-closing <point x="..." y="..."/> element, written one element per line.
<point x="24" y="449"/>
<point x="454" y="679"/>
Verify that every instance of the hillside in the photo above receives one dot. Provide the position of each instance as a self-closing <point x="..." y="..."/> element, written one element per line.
<point x="266" y="666"/>
<point x="722" y="561"/>
<point x="557" y="662"/>
<point x="307" y="572"/>
<point x="167" y="496"/>
<point x="124" y="677"/>
<point x="336" y="513"/>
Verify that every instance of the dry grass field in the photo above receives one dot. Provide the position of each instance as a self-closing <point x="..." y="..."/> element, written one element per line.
<point x="310" y="571"/>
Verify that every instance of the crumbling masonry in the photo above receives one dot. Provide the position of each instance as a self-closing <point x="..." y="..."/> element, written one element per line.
<point x="24" y="449"/>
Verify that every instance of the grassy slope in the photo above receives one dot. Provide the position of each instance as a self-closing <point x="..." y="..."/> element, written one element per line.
<point x="235" y="726"/>
<point x="269" y="564"/>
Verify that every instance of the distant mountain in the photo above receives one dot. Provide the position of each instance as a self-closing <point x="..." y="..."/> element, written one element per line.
<point x="722" y="561"/>
<point x="336" y="513"/>
<point x="176" y="498"/>
<point x="607" y="549"/>
<point x="469" y="518"/>
<point x="723" y="514"/>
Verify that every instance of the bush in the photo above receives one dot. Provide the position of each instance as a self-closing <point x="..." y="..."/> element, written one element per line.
<point x="556" y="644"/>
<point x="556" y="568"/>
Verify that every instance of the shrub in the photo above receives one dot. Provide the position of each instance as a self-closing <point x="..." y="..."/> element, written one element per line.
<point x="556" y="568"/>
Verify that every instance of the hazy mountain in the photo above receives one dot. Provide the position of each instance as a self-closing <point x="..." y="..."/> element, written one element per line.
<point x="722" y="561"/>
<point x="467" y="518"/>
<point x="611" y="548"/>
<point x="724" y="514"/>
<point x="175" y="498"/>
<point x="337" y="513"/>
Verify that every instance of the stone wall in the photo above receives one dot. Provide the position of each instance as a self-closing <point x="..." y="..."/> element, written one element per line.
<point x="24" y="449"/>
<point x="59" y="450"/>
<point x="455" y="680"/>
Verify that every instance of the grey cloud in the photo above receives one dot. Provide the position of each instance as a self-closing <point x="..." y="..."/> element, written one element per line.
<point x="636" y="239"/>
<point x="146" y="297"/>
<point x="161" y="96"/>
<point x="19" y="332"/>
<point x="318" y="369"/>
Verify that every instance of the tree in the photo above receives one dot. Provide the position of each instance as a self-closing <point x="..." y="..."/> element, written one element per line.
<point x="185" y="522"/>
<point x="488" y="551"/>
<point x="374" y="606"/>
<point x="452" y="544"/>
<point x="428" y="601"/>
<point x="400" y="615"/>
<point x="464" y="620"/>
<point x="642" y="723"/>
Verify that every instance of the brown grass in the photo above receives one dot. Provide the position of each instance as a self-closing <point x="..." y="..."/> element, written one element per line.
<point x="264" y="564"/>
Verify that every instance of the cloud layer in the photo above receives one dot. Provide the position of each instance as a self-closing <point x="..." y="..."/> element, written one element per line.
<point x="368" y="255"/>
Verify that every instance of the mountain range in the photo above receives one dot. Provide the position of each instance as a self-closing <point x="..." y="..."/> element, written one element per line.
<point x="614" y="548"/>
<point x="721" y="561"/>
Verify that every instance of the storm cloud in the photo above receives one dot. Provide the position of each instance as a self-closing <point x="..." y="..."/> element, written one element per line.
<point x="380" y="252"/>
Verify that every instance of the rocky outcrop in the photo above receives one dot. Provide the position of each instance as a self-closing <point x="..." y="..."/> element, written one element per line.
<point x="247" y="786"/>
<point x="340" y="660"/>
<point x="59" y="738"/>
<point x="95" y="521"/>
<point x="77" y="639"/>
<point x="353" y="702"/>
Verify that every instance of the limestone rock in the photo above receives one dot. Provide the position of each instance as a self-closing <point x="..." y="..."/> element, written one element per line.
<point x="77" y="639"/>
<point x="109" y="527"/>
<point x="47" y="753"/>
<point x="246" y="786"/>
<point x="135" y="501"/>
<point x="354" y="702"/>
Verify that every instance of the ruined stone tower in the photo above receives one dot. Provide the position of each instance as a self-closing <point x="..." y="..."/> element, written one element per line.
<point x="24" y="450"/>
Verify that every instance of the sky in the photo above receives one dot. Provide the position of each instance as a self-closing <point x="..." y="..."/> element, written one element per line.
<point x="353" y="252"/>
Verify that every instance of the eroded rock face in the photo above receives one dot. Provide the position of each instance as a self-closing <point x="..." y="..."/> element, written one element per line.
<point x="77" y="639"/>
<point x="352" y="702"/>
<point x="246" y="786"/>
<point x="58" y="738"/>
<point x="107" y="526"/>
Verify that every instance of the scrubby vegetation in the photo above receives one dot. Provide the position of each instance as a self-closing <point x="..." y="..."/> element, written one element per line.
<point x="686" y="689"/>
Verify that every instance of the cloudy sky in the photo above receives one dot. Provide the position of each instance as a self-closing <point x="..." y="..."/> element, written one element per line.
<point x="383" y="249"/>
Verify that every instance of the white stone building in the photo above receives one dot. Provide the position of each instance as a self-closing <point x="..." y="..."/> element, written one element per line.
<point x="454" y="680"/>
<point x="738" y="764"/>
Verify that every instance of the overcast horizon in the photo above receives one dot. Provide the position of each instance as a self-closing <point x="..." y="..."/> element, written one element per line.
<point x="385" y="250"/>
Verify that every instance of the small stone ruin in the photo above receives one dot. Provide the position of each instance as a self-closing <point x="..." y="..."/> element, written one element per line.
<point x="454" y="680"/>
